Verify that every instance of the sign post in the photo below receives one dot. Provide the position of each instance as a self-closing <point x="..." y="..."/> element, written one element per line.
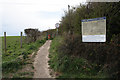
<point x="94" y="30"/>
<point x="57" y="26"/>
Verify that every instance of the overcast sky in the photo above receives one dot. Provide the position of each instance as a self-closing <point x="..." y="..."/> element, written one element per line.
<point x="17" y="15"/>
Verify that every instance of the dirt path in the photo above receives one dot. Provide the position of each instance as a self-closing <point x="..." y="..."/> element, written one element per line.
<point x="41" y="62"/>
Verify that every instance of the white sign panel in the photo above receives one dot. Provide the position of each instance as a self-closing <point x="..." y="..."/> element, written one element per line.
<point x="57" y="25"/>
<point x="94" y="30"/>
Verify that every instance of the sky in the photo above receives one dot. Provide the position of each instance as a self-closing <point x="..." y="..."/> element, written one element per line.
<point x="17" y="15"/>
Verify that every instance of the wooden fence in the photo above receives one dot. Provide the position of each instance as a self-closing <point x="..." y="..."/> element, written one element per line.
<point x="5" y="47"/>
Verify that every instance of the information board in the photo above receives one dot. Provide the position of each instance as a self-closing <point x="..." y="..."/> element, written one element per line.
<point x="94" y="30"/>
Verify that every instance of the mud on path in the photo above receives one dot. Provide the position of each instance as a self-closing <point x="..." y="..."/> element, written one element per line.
<point x="41" y="62"/>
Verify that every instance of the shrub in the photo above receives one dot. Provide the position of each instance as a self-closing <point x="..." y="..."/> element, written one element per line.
<point x="104" y="55"/>
<point x="32" y="34"/>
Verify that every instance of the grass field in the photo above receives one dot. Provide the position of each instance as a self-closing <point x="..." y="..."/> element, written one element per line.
<point x="15" y="57"/>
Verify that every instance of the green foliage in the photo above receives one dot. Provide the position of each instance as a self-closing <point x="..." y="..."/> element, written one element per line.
<point x="15" y="56"/>
<point x="69" y="66"/>
<point x="100" y="60"/>
<point x="74" y="59"/>
<point x="104" y="56"/>
<point x="12" y="65"/>
<point x="32" y="34"/>
<point x="72" y="19"/>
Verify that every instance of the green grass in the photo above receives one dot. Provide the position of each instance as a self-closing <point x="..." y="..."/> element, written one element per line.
<point x="15" y="56"/>
<point x="71" y="66"/>
<point x="24" y="75"/>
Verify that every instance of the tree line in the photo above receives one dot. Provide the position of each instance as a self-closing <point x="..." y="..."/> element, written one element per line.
<point x="71" y="21"/>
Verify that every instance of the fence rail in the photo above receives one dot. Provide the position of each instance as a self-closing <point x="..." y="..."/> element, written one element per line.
<point x="5" y="41"/>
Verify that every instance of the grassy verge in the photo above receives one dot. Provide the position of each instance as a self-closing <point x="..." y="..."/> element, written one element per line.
<point x="16" y="58"/>
<point x="67" y="66"/>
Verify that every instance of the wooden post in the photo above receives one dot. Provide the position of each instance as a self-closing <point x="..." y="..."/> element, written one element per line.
<point x="57" y="31"/>
<point x="21" y="40"/>
<point x="5" y="41"/>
